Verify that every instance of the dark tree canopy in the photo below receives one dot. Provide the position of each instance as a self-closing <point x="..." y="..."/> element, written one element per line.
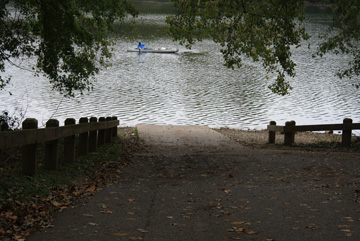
<point x="68" y="37"/>
<point x="264" y="31"/>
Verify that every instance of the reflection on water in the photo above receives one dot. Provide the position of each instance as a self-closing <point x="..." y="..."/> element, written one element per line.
<point x="192" y="87"/>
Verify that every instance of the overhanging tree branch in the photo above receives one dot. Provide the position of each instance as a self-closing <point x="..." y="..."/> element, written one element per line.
<point x="69" y="38"/>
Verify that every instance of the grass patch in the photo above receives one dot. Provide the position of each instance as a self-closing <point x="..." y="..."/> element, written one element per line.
<point x="135" y="133"/>
<point x="321" y="144"/>
<point x="333" y="145"/>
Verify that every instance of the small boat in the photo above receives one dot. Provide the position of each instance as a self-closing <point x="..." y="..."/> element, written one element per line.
<point x="159" y="50"/>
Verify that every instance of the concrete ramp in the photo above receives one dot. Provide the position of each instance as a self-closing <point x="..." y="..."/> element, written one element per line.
<point x="185" y="138"/>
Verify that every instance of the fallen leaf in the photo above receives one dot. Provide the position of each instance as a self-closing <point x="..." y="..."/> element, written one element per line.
<point x="90" y="188"/>
<point x="120" y="234"/>
<point x="179" y="224"/>
<point x="225" y="190"/>
<point x="238" y="223"/>
<point x="55" y="203"/>
<point x="106" y="211"/>
<point x="42" y="213"/>
<point x="250" y="232"/>
<point x="142" y="230"/>
<point x="312" y="227"/>
<point x="238" y="229"/>
<point x="102" y="205"/>
<point x="10" y="215"/>
<point x="18" y="238"/>
<point x="349" y="219"/>
<point x="136" y="238"/>
<point x="345" y="230"/>
<point x="243" y="230"/>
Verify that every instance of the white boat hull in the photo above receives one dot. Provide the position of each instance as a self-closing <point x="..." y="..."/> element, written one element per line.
<point x="165" y="51"/>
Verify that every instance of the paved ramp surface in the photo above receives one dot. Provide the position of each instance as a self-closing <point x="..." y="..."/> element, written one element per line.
<point x="186" y="139"/>
<point x="169" y="135"/>
<point x="193" y="184"/>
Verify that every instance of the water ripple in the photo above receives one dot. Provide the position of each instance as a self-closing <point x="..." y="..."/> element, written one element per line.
<point x="194" y="88"/>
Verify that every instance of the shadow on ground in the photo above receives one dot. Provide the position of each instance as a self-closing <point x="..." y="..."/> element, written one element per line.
<point x="192" y="183"/>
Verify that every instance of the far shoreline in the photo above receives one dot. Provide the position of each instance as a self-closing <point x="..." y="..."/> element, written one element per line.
<point x="307" y="3"/>
<point x="318" y="4"/>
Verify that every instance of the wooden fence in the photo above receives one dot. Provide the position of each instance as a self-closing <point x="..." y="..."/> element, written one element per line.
<point x="92" y="133"/>
<point x="291" y="128"/>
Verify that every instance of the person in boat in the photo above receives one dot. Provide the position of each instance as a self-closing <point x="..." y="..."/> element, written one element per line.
<point x="141" y="46"/>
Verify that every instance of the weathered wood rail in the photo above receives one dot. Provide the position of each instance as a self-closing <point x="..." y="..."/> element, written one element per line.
<point x="92" y="133"/>
<point x="291" y="128"/>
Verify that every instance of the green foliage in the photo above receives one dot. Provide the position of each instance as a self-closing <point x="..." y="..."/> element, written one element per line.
<point x="261" y="30"/>
<point x="69" y="38"/>
<point x="135" y="133"/>
<point x="264" y="31"/>
<point x="344" y="36"/>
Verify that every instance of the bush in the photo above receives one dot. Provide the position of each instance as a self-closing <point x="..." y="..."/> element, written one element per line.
<point x="8" y="122"/>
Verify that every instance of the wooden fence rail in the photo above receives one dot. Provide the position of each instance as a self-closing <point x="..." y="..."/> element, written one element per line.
<point x="91" y="135"/>
<point x="291" y="128"/>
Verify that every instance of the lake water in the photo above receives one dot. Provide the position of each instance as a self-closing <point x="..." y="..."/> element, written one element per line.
<point x="191" y="87"/>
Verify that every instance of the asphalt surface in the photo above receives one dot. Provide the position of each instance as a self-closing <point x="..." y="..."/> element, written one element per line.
<point x="193" y="183"/>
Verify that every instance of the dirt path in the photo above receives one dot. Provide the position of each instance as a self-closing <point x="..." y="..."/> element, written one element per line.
<point x="192" y="183"/>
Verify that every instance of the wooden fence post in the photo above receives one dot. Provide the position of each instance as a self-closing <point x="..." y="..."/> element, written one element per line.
<point x="108" y="132"/>
<point x="346" y="134"/>
<point x="69" y="143"/>
<point x="29" y="152"/>
<point x="293" y="123"/>
<point x="272" y="134"/>
<point x="93" y="137"/>
<point x="51" y="148"/>
<point x="114" y="130"/>
<point x="101" y="133"/>
<point x="289" y="136"/>
<point x="84" y="138"/>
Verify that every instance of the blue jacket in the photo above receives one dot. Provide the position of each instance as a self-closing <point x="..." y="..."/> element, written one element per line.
<point x="141" y="46"/>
